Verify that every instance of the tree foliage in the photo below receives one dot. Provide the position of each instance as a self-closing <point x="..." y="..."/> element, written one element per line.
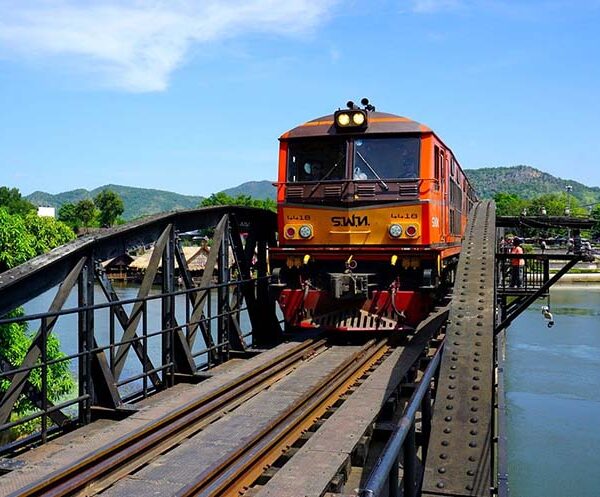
<point x="16" y="243"/>
<point x="595" y="214"/>
<point x="47" y="232"/>
<point x="85" y="210"/>
<point x="222" y="198"/>
<point x="68" y="215"/>
<point x="21" y="238"/>
<point x="13" y="202"/>
<point x="104" y="210"/>
<point x="15" y="341"/>
<point x="509" y="204"/>
<point x="24" y="237"/>
<point x="110" y="206"/>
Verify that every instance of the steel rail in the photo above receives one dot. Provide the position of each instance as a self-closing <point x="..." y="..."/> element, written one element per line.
<point x="154" y="437"/>
<point x="238" y="470"/>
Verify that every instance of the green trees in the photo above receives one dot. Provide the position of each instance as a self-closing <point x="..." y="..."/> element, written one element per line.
<point x="222" y="198"/>
<point x="24" y="235"/>
<point x="595" y="231"/>
<point x="554" y="204"/>
<point x="68" y="215"/>
<point x="13" y="202"/>
<point x="85" y="211"/>
<point x="15" y="340"/>
<point x="110" y="206"/>
<point x="509" y="204"/>
<point x="103" y="211"/>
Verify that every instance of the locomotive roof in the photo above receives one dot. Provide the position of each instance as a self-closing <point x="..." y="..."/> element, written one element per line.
<point x="379" y="122"/>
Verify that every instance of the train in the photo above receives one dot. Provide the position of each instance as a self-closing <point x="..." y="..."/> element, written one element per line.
<point x="371" y="210"/>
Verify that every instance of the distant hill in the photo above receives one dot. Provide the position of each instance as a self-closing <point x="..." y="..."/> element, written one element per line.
<point x="527" y="182"/>
<point x="257" y="189"/>
<point x="138" y="201"/>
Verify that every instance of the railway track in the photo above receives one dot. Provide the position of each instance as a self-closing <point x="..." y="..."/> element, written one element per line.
<point x="93" y="473"/>
<point x="234" y="473"/>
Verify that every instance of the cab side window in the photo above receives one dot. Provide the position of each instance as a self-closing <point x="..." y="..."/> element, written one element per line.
<point x="438" y="164"/>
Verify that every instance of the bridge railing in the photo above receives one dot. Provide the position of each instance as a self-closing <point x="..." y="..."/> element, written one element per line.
<point x="158" y="350"/>
<point x="535" y="272"/>
<point x="120" y="350"/>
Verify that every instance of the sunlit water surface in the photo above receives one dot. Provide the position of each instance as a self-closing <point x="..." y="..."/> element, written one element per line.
<point x="553" y="395"/>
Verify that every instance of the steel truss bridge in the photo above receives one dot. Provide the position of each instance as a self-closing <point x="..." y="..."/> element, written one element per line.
<point x="196" y="389"/>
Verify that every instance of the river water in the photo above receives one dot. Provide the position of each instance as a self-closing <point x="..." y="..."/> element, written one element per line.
<point x="552" y="384"/>
<point x="553" y="397"/>
<point x="66" y="326"/>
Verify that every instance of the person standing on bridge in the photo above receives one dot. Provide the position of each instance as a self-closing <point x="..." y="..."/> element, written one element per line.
<point x="517" y="264"/>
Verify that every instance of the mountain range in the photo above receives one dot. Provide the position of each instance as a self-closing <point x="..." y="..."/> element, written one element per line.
<point x="524" y="181"/>
<point x="527" y="182"/>
<point x="138" y="201"/>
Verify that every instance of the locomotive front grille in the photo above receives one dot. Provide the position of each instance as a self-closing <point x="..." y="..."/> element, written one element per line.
<point x="334" y="191"/>
<point x="365" y="190"/>
<point x="353" y="320"/>
<point x="295" y="192"/>
<point x="408" y="189"/>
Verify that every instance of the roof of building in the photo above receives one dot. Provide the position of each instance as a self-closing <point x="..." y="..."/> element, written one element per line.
<point x="195" y="257"/>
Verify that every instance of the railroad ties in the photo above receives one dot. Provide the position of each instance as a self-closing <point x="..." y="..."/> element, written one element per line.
<point x="459" y="457"/>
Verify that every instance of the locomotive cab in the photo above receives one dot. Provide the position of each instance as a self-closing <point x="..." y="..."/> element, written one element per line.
<point x="365" y="230"/>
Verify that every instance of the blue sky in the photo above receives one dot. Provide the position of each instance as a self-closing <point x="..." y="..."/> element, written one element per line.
<point x="191" y="96"/>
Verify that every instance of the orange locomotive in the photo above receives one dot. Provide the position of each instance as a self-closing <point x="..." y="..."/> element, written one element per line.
<point x="371" y="210"/>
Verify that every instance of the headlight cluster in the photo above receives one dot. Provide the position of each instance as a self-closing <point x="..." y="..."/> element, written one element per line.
<point x="350" y="119"/>
<point x="396" y="230"/>
<point x="295" y="232"/>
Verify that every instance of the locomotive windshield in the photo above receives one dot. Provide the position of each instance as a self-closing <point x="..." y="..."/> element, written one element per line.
<point x="387" y="158"/>
<point x="316" y="160"/>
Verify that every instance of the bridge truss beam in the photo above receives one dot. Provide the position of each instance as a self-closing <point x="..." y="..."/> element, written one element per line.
<point x="101" y="361"/>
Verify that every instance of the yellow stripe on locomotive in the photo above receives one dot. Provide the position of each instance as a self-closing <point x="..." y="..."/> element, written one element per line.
<point x="369" y="226"/>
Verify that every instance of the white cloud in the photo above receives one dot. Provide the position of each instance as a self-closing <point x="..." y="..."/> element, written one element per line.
<point x="136" y="44"/>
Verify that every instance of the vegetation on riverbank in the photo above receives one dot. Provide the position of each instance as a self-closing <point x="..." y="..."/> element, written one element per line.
<point x="23" y="235"/>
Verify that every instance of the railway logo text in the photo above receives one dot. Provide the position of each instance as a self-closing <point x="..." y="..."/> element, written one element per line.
<point x="350" y="221"/>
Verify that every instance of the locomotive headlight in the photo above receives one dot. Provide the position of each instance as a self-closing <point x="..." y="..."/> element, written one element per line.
<point x="343" y="119"/>
<point x="305" y="231"/>
<point x="395" y="230"/>
<point x="351" y="120"/>
<point x="358" y="118"/>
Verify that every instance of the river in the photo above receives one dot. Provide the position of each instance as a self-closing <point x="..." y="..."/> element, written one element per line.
<point x="553" y="397"/>
<point x="66" y="326"/>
